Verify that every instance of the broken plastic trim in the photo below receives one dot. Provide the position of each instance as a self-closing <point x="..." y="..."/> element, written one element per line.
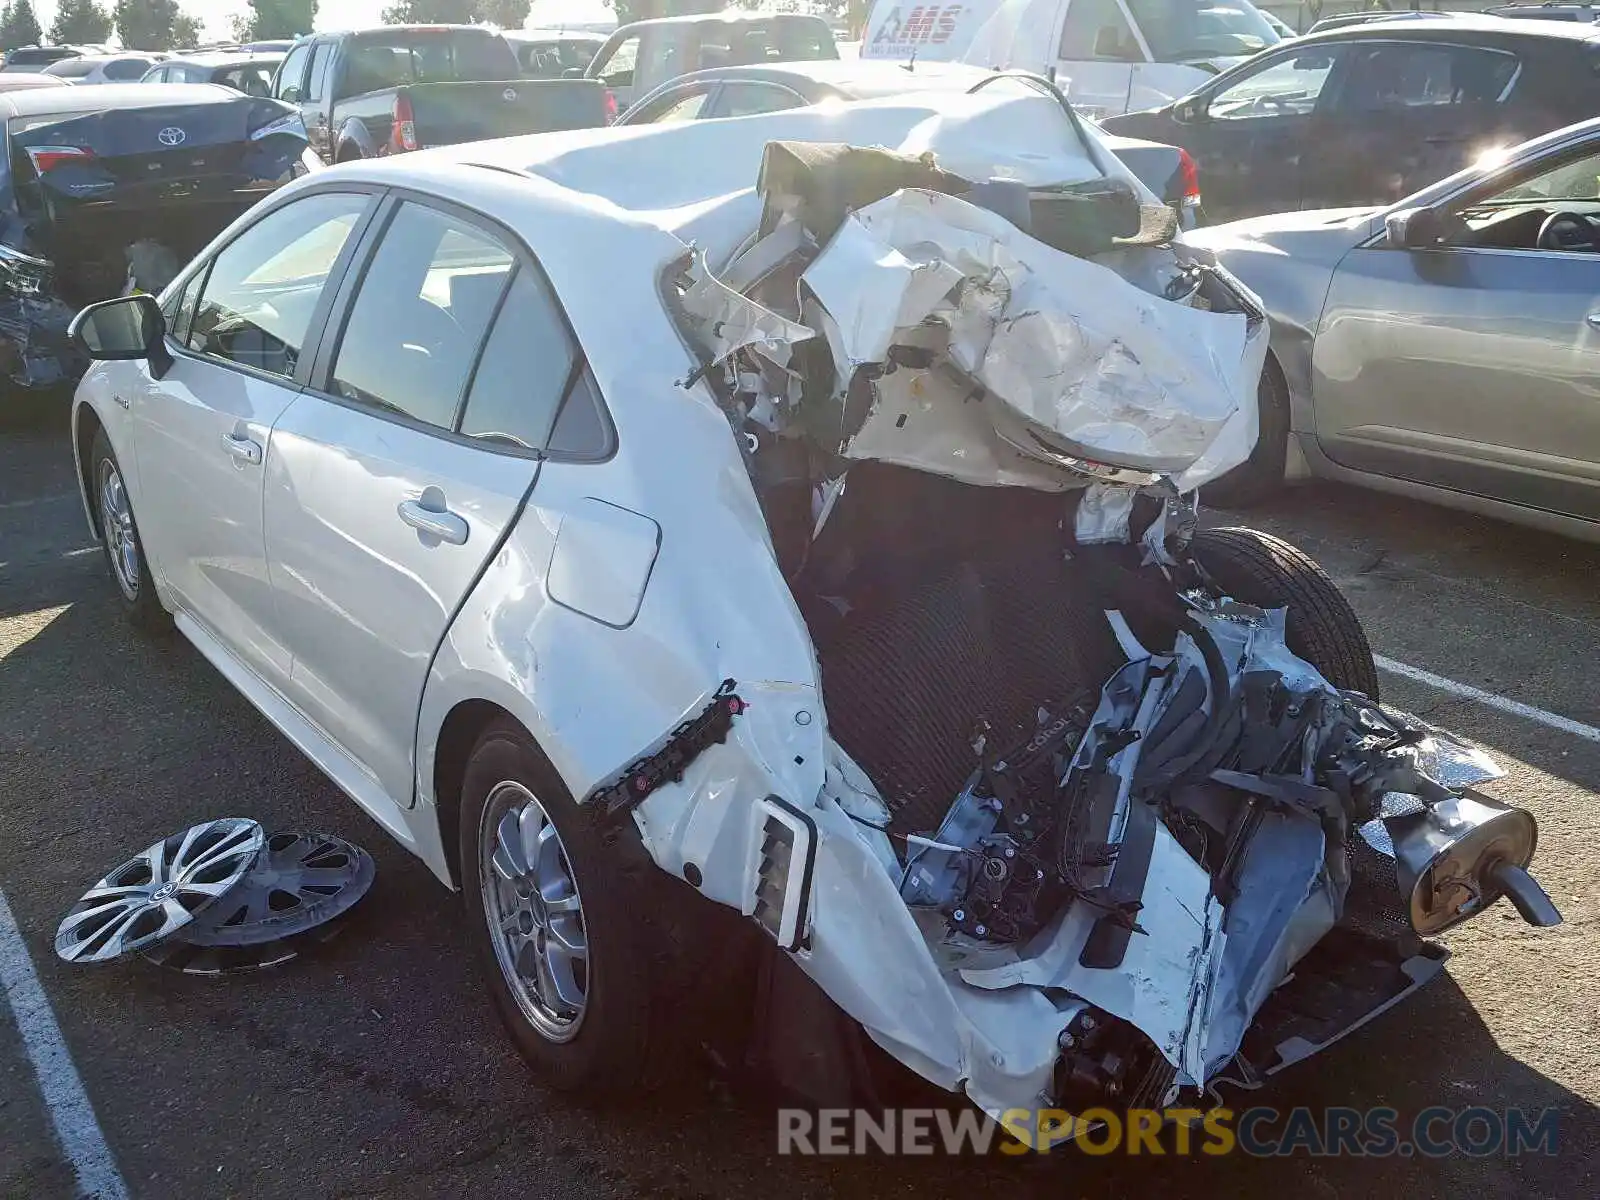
<point x="629" y="788"/>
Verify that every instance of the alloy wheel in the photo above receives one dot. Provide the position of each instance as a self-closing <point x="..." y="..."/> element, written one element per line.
<point x="534" y="911"/>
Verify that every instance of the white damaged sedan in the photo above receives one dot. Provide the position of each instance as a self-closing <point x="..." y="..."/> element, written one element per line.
<point x="765" y="550"/>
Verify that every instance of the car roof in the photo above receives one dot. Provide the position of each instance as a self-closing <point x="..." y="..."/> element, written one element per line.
<point x="224" y="58"/>
<point x="722" y="18"/>
<point x="33" y="102"/>
<point x="858" y="78"/>
<point x="554" y="35"/>
<point x="1458" y="24"/>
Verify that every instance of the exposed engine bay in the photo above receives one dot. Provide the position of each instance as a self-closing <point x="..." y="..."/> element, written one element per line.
<point x="1129" y="780"/>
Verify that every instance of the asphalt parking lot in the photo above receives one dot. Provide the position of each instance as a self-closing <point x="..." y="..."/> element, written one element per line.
<point x="377" y="1069"/>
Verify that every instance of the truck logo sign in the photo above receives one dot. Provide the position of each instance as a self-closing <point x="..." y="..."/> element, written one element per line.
<point x="172" y="136"/>
<point x="509" y="95"/>
<point x="910" y="27"/>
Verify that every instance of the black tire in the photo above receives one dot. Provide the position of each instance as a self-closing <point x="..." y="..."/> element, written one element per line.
<point x="1259" y="477"/>
<point x="1260" y="569"/>
<point x="133" y="588"/>
<point x="615" y="1051"/>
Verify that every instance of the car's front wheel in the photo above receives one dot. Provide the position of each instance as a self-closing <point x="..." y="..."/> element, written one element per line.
<point x="1268" y="572"/>
<point x="554" y="913"/>
<point x="119" y="538"/>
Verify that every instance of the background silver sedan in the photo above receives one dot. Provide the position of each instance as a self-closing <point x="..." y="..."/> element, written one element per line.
<point x="1446" y="348"/>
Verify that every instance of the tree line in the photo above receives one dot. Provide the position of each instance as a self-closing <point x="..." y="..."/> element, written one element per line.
<point x="147" y="24"/>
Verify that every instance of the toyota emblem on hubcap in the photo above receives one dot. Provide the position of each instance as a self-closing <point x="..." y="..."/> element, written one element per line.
<point x="171" y="136"/>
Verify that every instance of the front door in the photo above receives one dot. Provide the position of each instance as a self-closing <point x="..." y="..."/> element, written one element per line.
<point x="1250" y="139"/>
<point x="394" y="480"/>
<point x="1472" y="366"/>
<point x="237" y="333"/>
<point x="1403" y="115"/>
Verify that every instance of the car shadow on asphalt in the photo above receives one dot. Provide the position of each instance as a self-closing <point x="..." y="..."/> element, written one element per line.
<point x="109" y="740"/>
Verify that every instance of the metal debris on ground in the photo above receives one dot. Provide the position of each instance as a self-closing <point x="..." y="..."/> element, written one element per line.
<point x="219" y="898"/>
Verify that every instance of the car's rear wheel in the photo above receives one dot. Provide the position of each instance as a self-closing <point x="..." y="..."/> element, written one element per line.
<point x="1259" y="477"/>
<point x="119" y="538"/>
<point x="554" y="915"/>
<point x="1323" y="629"/>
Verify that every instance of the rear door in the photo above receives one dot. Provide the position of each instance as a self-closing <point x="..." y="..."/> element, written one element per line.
<point x="1405" y="114"/>
<point x="393" y="480"/>
<point x="238" y="330"/>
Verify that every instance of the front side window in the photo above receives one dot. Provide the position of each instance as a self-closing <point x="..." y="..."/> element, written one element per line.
<point x="420" y="316"/>
<point x="1392" y="76"/>
<point x="1177" y="30"/>
<point x="292" y="75"/>
<point x="617" y="70"/>
<point x="1096" y="30"/>
<point x="1286" y="87"/>
<point x="262" y="288"/>
<point x="1571" y="182"/>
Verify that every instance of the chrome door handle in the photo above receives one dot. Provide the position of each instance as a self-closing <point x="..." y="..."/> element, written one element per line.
<point x="444" y="525"/>
<point x="242" y="448"/>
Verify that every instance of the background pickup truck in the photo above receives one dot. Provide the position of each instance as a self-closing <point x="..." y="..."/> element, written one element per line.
<point x="403" y="87"/>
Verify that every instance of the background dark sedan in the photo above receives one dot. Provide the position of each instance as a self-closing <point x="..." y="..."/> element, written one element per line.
<point x="745" y="90"/>
<point x="1367" y="114"/>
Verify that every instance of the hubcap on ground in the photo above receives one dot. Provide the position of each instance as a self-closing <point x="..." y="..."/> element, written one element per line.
<point x="116" y="519"/>
<point x="535" y="915"/>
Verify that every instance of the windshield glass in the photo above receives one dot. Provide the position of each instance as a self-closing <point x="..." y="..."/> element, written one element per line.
<point x="1183" y="29"/>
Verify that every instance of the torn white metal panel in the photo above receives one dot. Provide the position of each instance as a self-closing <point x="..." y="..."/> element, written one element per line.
<point x="872" y="291"/>
<point x="728" y="321"/>
<point x="1080" y="361"/>
<point x="930" y="420"/>
<point x="1103" y="514"/>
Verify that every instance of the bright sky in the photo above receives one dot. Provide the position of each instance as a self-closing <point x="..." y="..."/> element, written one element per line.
<point x="352" y="14"/>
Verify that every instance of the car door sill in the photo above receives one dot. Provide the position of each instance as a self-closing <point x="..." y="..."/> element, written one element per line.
<point x="311" y="741"/>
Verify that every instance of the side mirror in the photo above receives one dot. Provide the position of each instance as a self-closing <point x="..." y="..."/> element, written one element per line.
<point x="129" y="327"/>
<point x="1188" y="110"/>
<point x="1414" y="228"/>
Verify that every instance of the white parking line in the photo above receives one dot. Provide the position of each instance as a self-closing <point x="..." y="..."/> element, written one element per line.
<point x="76" y="1127"/>
<point x="34" y="501"/>
<point x="1488" y="699"/>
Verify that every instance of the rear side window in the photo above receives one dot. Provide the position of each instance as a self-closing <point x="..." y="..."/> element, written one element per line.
<point x="747" y="99"/>
<point x="321" y="63"/>
<point x="1387" y="76"/>
<point x="292" y="75"/>
<point x="420" y="316"/>
<point x="262" y="289"/>
<point x="445" y="57"/>
<point x="526" y="368"/>
<point x="124" y="69"/>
